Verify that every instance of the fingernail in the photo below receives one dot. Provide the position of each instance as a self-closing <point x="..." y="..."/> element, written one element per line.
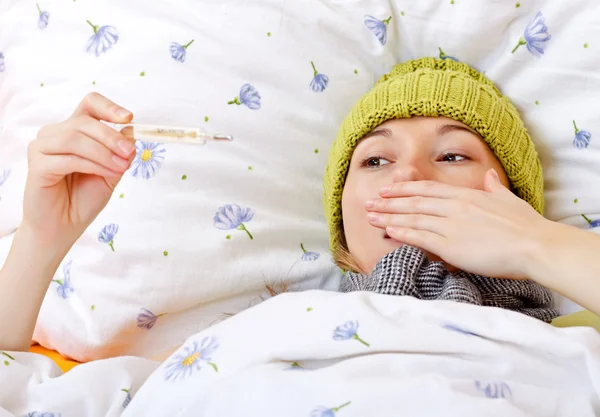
<point x="126" y="147"/>
<point x="370" y="204"/>
<point x="120" y="162"/>
<point x="385" y="189"/>
<point x="495" y="175"/>
<point x="123" y="114"/>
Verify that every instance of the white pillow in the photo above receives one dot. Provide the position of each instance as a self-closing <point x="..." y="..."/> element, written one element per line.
<point x="169" y="254"/>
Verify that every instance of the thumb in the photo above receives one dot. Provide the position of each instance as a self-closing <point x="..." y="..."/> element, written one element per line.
<point x="492" y="182"/>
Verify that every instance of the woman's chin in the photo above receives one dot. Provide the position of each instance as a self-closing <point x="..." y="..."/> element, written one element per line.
<point x="392" y="243"/>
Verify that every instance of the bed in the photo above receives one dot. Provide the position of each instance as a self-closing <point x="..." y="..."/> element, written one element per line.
<point x="194" y="236"/>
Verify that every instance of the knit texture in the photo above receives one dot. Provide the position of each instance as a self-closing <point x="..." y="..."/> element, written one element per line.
<point x="435" y="87"/>
<point x="406" y="271"/>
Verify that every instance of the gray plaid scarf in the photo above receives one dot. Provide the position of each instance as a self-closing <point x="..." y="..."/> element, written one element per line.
<point x="406" y="271"/>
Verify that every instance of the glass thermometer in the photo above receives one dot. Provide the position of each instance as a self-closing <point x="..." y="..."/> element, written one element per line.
<point x="172" y="134"/>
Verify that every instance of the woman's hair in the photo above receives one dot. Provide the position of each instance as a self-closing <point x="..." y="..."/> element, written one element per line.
<point x="342" y="256"/>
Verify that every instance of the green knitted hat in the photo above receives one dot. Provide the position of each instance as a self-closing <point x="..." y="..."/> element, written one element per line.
<point x="436" y="87"/>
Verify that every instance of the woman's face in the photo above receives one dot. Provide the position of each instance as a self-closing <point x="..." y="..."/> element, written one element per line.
<point x="419" y="148"/>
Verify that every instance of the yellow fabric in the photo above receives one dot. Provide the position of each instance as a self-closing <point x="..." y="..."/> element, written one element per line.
<point x="436" y="87"/>
<point x="581" y="318"/>
<point x="63" y="363"/>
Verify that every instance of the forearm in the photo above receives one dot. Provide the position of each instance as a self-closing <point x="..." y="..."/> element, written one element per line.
<point x="567" y="260"/>
<point x="24" y="280"/>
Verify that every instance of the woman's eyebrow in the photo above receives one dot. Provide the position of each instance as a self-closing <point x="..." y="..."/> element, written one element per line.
<point x="378" y="132"/>
<point x="447" y="128"/>
<point x="440" y="130"/>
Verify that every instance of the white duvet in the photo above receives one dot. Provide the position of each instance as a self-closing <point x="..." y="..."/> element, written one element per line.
<point x="323" y="354"/>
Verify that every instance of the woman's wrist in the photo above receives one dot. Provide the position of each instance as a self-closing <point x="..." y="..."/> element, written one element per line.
<point x="46" y="250"/>
<point x="536" y="252"/>
<point x="565" y="259"/>
<point x="24" y="278"/>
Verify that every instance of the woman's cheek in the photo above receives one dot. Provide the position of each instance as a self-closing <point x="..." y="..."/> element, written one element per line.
<point x="468" y="178"/>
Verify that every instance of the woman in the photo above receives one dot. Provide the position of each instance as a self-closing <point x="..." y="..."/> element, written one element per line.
<point x="426" y="158"/>
<point x="453" y="203"/>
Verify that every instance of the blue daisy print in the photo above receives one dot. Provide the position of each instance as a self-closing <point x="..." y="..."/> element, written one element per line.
<point x="459" y="330"/>
<point x="249" y="97"/>
<point x="320" y="81"/>
<point x="64" y="285"/>
<point x="232" y="216"/>
<point x="42" y="414"/>
<point x="347" y="331"/>
<point x="378" y="27"/>
<point x="127" y="399"/>
<point x="104" y="38"/>
<point x="43" y="18"/>
<point x="494" y="389"/>
<point x="2" y="65"/>
<point x="107" y="235"/>
<point x="593" y="223"/>
<point x="535" y="37"/>
<point x="322" y="411"/>
<point x="147" y="319"/>
<point x="148" y="159"/>
<point x="582" y="138"/>
<point x="4" y="174"/>
<point x="191" y="359"/>
<point x="178" y="52"/>
<point x="309" y="256"/>
<point x="444" y="56"/>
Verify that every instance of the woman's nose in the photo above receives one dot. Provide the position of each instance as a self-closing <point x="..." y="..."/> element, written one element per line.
<point x="408" y="172"/>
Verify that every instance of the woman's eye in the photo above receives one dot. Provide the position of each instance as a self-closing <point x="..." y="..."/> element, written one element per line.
<point x="374" y="162"/>
<point x="453" y="157"/>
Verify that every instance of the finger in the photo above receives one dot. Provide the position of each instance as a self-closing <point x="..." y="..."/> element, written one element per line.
<point x="429" y="241"/>
<point x="415" y="204"/>
<point x="113" y="181"/>
<point x="77" y="144"/>
<point x="104" y="134"/>
<point x="101" y="108"/>
<point x="58" y="166"/>
<point x="492" y="184"/>
<point x="426" y="189"/>
<point x="91" y="127"/>
<point x="412" y="221"/>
